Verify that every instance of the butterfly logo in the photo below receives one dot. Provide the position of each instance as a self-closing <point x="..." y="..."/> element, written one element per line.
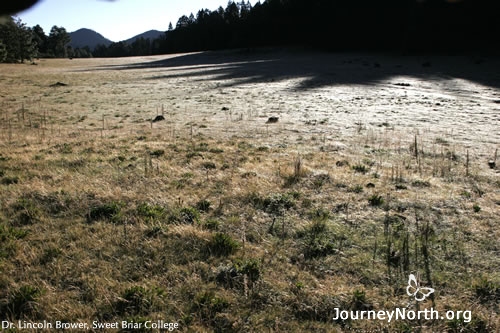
<point x="414" y="289"/>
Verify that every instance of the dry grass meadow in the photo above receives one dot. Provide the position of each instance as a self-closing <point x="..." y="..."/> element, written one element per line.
<point x="215" y="219"/>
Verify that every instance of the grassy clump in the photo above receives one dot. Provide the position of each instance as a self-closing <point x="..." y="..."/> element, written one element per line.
<point x="275" y="203"/>
<point x="222" y="245"/>
<point x="376" y="200"/>
<point x="138" y="300"/>
<point x="212" y="224"/>
<point x="240" y="272"/>
<point x="23" y="303"/>
<point x="27" y="212"/>
<point x="185" y="215"/>
<point x="487" y="290"/>
<point x="151" y="212"/>
<point x="12" y="233"/>
<point x="317" y="239"/>
<point x="105" y="212"/>
<point x="203" y="205"/>
<point x="207" y="305"/>
<point x="8" y="240"/>
<point x="208" y="165"/>
<point x="359" y="301"/>
<point x="157" y="153"/>
<point x="9" y="180"/>
<point x="361" y="168"/>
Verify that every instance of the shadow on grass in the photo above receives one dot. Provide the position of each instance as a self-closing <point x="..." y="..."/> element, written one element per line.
<point x="315" y="69"/>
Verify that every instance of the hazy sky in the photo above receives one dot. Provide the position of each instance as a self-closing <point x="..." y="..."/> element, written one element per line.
<point x="116" y="20"/>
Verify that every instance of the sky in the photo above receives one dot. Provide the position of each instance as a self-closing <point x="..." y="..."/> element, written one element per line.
<point x="116" y="20"/>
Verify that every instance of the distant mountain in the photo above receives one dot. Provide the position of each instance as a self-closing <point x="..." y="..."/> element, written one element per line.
<point x="86" y="37"/>
<point x="151" y="34"/>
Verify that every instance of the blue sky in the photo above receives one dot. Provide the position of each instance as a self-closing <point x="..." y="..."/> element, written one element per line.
<point x="116" y="20"/>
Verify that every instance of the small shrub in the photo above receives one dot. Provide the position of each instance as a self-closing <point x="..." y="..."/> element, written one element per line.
<point x="222" y="245"/>
<point x="317" y="240"/>
<point x="277" y="203"/>
<point x="233" y="276"/>
<point x="212" y="224"/>
<point x="109" y="211"/>
<point x="359" y="302"/>
<point x="207" y="305"/>
<point x="138" y="300"/>
<point x="342" y="163"/>
<point x="152" y="212"/>
<point x="307" y="203"/>
<point x="203" y="146"/>
<point x="8" y="237"/>
<point x="27" y="211"/>
<point x="203" y="205"/>
<point x="376" y="200"/>
<point x="250" y="268"/>
<point x="476" y="208"/>
<point x="487" y="290"/>
<point x="193" y="154"/>
<point x="49" y="254"/>
<point x="421" y="183"/>
<point x="466" y="194"/>
<point x="357" y="189"/>
<point x="189" y="215"/>
<point x="208" y="166"/>
<point x="11" y="233"/>
<point x="321" y="179"/>
<point x="157" y="153"/>
<point x="248" y="174"/>
<point x="400" y="186"/>
<point x="361" y="168"/>
<point x="319" y="214"/>
<point x="9" y="180"/>
<point x="23" y="302"/>
<point x="65" y="148"/>
<point x="155" y="231"/>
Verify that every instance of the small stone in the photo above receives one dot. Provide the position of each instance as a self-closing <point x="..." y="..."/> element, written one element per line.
<point x="59" y="84"/>
<point x="272" y="120"/>
<point x="158" y="118"/>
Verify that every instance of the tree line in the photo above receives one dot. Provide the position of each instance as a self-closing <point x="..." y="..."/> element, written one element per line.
<point x="358" y="25"/>
<point x="337" y="25"/>
<point x="19" y="42"/>
<point x="353" y="25"/>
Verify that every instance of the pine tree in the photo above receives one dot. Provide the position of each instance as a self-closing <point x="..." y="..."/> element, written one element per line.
<point x="57" y="42"/>
<point x="18" y="41"/>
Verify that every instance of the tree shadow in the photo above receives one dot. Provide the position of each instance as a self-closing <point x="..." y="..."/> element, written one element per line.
<point x="316" y="69"/>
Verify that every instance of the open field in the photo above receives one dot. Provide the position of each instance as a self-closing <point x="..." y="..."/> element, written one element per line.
<point x="217" y="220"/>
